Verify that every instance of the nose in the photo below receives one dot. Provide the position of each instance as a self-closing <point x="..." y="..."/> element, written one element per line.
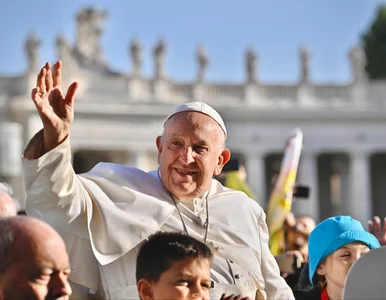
<point x="59" y="287"/>
<point x="186" y="156"/>
<point x="198" y="292"/>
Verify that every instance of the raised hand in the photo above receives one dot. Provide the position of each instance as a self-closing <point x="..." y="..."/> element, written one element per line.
<point x="376" y="228"/>
<point x="56" y="110"/>
<point x="233" y="297"/>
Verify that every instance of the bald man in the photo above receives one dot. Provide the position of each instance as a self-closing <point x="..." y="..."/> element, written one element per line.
<point x="7" y="205"/>
<point x="33" y="261"/>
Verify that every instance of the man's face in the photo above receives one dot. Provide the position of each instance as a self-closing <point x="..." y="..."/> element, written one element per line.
<point x="304" y="227"/>
<point x="190" y="152"/>
<point x="298" y="236"/>
<point x="185" y="280"/>
<point x="37" y="273"/>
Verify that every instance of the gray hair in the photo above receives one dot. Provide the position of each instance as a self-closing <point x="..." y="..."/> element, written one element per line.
<point x="7" y="188"/>
<point x="7" y="237"/>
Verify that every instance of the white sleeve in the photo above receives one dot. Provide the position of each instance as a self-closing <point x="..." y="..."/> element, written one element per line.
<point x="275" y="285"/>
<point x="54" y="193"/>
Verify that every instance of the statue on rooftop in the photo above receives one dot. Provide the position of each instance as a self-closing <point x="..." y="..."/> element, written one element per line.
<point x="32" y="50"/>
<point x="159" y="52"/>
<point x="358" y="63"/>
<point x="136" y="51"/>
<point x="305" y="58"/>
<point x="202" y="62"/>
<point x="89" y="31"/>
<point x="251" y="62"/>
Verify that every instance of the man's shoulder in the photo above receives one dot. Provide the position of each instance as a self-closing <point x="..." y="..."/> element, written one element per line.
<point x="110" y="168"/>
<point x="234" y="196"/>
<point x="122" y="174"/>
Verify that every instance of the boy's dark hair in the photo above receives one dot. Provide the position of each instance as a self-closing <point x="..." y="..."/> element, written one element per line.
<point x="162" y="249"/>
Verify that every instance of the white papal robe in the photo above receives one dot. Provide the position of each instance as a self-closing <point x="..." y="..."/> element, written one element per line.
<point x="105" y="215"/>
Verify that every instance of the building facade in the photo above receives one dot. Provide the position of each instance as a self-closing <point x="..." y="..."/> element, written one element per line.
<point x="118" y="116"/>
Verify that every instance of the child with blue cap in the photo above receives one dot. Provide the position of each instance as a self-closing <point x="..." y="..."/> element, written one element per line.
<point x="333" y="246"/>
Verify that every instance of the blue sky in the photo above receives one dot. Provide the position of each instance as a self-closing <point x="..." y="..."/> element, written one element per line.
<point x="275" y="29"/>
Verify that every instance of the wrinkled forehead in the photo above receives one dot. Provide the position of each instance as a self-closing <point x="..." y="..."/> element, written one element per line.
<point x="193" y="123"/>
<point x="202" y="108"/>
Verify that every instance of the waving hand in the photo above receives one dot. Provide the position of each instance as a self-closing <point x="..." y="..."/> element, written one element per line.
<point x="56" y="110"/>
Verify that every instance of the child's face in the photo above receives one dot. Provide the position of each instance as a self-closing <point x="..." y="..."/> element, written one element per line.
<point x="185" y="279"/>
<point x="336" y="266"/>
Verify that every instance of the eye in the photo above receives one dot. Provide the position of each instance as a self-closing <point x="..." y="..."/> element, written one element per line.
<point x="200" y="148"/>
<point x="206" y="285"/>
<point x="41" y="278"/>
<point x="175" y="144"/>
<point x="345" y="254"/>
<point x="183" y="282"/>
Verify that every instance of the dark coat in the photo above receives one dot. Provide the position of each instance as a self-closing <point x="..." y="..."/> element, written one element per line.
<point x="313" y="294"/>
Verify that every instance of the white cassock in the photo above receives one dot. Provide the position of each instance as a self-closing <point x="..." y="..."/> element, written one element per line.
<point x="106" y="214"/>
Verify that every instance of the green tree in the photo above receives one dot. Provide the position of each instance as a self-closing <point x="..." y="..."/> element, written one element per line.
<point x="374" y="46"/>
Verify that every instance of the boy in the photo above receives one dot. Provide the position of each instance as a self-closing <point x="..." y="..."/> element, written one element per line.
<point x="173" y="266"/>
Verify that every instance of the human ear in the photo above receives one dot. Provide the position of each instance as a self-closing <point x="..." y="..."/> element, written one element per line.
<point x="320" y="270"/>
<point x="158" y="142"/>
<point x="223" y="158"/>
<point x="145" y="290"/>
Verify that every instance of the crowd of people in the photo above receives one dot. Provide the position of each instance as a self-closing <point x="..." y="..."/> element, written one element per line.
<point x="117" y="232"/>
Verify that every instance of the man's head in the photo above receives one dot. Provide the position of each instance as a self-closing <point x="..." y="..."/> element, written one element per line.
<point x="33" y="261"/>
<point x="7" y="204"/>
<point x="298" y="233"/>
<point x="304" y="227"/>
<point x="173" y="266"/>
<point x="191" y="150"/>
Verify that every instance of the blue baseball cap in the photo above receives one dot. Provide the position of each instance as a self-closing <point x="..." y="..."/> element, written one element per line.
<point x="332" y="234"/>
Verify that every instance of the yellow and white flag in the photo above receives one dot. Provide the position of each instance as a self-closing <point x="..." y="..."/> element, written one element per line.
<point x="280" y="202"/>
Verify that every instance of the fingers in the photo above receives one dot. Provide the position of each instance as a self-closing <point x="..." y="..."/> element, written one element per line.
<point x="298" y="255"/>
<point x="48" y="77"/>
<point x="57" y="76"/>
<point x="370" y="226"/>
<point x="70" y="96"/>
<point x="384" y="226"/>
<point x="377" y="226"/>
<point x="41" y="80"/>
<point x="233" y="297"/>
<point x="35" y="96"/>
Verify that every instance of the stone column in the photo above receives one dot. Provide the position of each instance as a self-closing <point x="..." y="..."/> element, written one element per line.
<point x="10" y="148"/>
<point x="360" y="191"/>
<point x="199" y="92"/>
<point x="358" y="88"/>
<point x="308" y="175"/>
<point x="11" y="145"/>
<point x="254" y="164"/>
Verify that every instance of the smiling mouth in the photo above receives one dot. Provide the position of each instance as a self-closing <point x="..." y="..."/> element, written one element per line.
<point x="183" y="172"/>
